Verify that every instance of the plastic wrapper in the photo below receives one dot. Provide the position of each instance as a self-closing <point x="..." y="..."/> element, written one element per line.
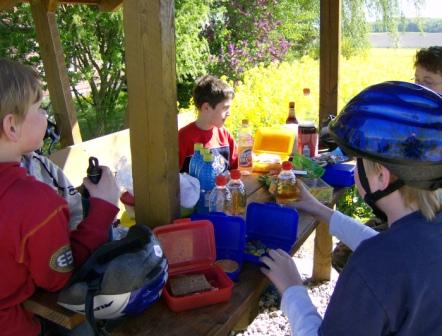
<point x="123" y="175"/>
<point x="300" y="162"/>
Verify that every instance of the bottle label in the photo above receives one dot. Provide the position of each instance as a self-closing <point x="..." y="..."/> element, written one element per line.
<point x="245" y="157"/>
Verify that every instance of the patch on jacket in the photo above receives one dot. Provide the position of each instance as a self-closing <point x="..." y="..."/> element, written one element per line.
<point x="62" y="260"/>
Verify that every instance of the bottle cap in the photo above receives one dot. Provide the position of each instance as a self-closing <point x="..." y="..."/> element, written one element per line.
<point x="287" y="165"/>
<point x="208" y="157"/>
<point x="127" y="198"/>
<point x="292" y="104"/>
<point x="235" y="174"/>
<point x="306" y="91"/>
<point x="221" y="180"/>
<point x="197" y="146"/>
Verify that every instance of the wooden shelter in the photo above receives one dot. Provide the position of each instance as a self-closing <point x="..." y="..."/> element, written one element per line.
<point x="151" y="78"/>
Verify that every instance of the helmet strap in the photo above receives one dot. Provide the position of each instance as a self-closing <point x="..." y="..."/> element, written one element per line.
<point x="371" y="198"/>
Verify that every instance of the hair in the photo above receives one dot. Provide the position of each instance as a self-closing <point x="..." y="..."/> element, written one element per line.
<point x="20" y="87"/>
<point x="430" y="58"/>
<point x="428" y="202"/>
<point x="211" y="90"/>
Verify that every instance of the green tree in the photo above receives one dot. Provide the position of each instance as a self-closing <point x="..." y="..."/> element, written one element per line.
<point x="93" y="46"/>
<point x="192" y="49"/>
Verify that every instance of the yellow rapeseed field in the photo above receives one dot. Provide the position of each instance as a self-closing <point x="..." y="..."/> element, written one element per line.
<point x="264" y="94"/>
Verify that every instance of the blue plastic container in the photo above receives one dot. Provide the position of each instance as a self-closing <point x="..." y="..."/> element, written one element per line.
<point x="230" y="236"/>
<point x="271" y="224"/>
<point x="340" y="174"/>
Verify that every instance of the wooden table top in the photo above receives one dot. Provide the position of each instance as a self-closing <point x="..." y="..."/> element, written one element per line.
<point x="218" y="319"/>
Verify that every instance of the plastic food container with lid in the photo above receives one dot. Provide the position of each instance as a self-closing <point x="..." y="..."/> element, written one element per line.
<point x="271" y="146"/>
<point x="271" y="226"/>
<point x="189" y="247"/>
<point x="230" y="236"/>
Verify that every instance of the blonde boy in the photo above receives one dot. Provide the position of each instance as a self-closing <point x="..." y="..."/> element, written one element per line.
<point x="36" y="248"/>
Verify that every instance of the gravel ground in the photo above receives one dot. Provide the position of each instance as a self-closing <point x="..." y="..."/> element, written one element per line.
<point x="270" y="320"/>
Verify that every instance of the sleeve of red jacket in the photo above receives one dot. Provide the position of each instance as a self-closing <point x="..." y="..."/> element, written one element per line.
<point x="93" y="230"/>
<point x="50" y="250"/>
<point x="46" y="249"/>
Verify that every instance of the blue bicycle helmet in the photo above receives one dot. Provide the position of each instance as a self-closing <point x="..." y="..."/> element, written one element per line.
<point x="399" y="125"/>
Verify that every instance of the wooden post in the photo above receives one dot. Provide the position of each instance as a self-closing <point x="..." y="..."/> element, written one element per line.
<point x="151" y="80"/>
<point x="330" y="31"/>
<point x="56" y="73"/>
<point x="330" y="37"/>
<point x="322" y="254"/>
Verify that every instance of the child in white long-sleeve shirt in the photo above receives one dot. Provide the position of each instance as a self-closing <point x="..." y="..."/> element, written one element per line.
<point x="392" y="284"/>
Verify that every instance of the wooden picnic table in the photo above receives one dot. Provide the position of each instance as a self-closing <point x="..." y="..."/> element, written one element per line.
<point x="217" y="319"/>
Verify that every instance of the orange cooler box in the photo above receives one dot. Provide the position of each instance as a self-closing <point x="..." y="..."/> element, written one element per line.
<point x="189" y="247"/>
<point x="271" y="146"/>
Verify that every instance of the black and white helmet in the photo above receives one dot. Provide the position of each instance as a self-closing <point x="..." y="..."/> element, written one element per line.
<point x="121" y="277"/>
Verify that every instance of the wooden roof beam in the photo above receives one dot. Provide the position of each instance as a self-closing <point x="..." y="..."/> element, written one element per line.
<point x="52" y="55"/>
<point x="8" y="4"/>
<point x="103" y="5"/>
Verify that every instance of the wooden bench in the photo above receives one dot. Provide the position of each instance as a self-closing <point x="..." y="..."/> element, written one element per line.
<point x="218" y="319"/>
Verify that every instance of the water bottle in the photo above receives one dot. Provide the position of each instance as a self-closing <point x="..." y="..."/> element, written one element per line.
<point x="220" y="199"/>
<point x="287" y="189"/>
<point x="206" y="176"/>
<point x="196" y="159"/>
<point x="239" y="197"/>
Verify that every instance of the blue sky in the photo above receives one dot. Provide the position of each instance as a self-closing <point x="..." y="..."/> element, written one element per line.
<point x="432" y="8"/>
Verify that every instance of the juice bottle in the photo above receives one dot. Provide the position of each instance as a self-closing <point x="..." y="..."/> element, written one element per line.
<point x="287" y="189"/>
<point x="308" y="136"/>
<point x="239" y="197"/>
<point x="245" y="144"/>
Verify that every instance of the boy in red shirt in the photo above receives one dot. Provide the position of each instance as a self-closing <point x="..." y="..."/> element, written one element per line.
<point x="37" y="249"/>
<point x="212" y="98"/>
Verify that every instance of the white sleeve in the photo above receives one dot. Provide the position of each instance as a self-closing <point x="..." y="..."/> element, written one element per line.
<point x="349" y="230"/>
<point x="298" y="307"/>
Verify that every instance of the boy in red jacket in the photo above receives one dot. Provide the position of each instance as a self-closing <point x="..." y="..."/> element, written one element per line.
<point x="37" y="249"/>
<point x="212" y="98"/>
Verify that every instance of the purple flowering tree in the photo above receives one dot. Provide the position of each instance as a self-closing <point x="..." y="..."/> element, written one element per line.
<point x="243" y="34"/>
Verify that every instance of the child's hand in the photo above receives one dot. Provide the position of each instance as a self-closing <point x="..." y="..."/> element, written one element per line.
<point x="106" y="189"/>
<point x="281" y="270"/>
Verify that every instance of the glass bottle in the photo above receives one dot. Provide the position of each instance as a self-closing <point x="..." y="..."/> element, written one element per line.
<point x="239" y="197"/>
<point x="245" y="145"/>
<point x="287" y="189"/>
<point x="292" y="123"/>
<point x="220" y="199"/>
<point x="291" y="118"/>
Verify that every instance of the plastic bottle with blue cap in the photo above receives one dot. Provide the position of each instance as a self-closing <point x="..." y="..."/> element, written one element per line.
<point x="206" y="176"/>
<point x="196" y="159"/>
